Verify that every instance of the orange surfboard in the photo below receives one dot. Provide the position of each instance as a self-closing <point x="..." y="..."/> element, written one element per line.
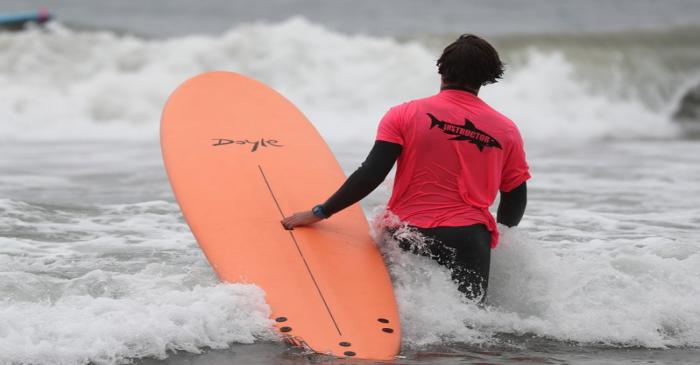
<point x="239" y="157"/>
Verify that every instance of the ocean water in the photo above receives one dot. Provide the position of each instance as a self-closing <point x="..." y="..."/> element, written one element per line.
<point x="98" y="267"/>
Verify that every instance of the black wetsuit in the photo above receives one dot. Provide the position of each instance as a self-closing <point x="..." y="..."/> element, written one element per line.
<point x="465" y="250"/>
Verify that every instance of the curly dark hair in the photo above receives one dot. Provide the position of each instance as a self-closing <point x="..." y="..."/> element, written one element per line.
<point x="470" y="61"/>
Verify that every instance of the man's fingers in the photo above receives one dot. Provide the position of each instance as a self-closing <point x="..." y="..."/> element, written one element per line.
<point x="295" y="220"/>
<point x="287" y="225"/>
<point x="290" y="222"/>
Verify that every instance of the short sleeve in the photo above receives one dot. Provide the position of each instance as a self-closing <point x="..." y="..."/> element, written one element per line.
<point x="390" y="127"/>
<point x="515" y="168"/>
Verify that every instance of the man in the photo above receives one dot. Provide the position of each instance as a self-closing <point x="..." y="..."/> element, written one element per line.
<point x="454" y="154"/>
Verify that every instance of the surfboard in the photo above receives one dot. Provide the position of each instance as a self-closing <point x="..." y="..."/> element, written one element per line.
<point x="240" y="157"/>
<point x="16" y="21"/>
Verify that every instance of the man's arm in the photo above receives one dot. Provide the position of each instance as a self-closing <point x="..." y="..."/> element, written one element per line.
<point x="366" y="178"/>
<point x="362" y="182"/>
<point x="512" y="206"/>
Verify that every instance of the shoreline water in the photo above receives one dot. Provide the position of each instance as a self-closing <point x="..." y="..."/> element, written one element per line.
<point x="99" y="266"/>
<point x="551" y="278"/>
<point x="280" y="354"/>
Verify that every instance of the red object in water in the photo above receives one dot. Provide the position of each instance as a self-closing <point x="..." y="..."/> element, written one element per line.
<point x="43" y="15"/>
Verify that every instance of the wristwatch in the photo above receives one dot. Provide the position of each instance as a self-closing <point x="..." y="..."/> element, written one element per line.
<point x="318" y="211"/>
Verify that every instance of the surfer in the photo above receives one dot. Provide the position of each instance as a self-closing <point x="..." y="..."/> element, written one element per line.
<point x="455" y="153"/>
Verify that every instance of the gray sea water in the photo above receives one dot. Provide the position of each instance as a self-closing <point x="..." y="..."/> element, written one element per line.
<point x="98" y="267"/>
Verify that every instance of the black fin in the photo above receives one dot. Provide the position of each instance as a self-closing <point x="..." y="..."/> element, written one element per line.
<point x="469" y="124"/>
<point x="433" y="121"/>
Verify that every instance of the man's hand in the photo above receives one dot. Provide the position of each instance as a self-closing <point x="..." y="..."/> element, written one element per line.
<point x="300" y="219"/>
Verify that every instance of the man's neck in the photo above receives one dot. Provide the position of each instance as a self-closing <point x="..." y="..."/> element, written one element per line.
<point x="459" y="87"/>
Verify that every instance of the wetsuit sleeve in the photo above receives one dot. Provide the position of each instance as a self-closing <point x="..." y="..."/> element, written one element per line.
<point x="366" y="178"/>
<point x="515" y="168"/>
<point x="512" y="206"/>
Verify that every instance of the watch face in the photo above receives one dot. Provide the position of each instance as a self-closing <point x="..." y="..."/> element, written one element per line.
<point x="318" y="211"/>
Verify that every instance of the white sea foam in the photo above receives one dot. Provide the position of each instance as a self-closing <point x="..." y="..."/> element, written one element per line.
<point x="128" y="282"/>
<point x="146" y="322"/>
<point x="72" y="84"/>
<point x="623" y="292"/>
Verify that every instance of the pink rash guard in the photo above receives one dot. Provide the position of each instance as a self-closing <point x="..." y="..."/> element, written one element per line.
<point x="457" y="153"/>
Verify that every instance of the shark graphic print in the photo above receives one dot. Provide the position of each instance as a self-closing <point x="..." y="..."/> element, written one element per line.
<point x="466" y="132"/>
